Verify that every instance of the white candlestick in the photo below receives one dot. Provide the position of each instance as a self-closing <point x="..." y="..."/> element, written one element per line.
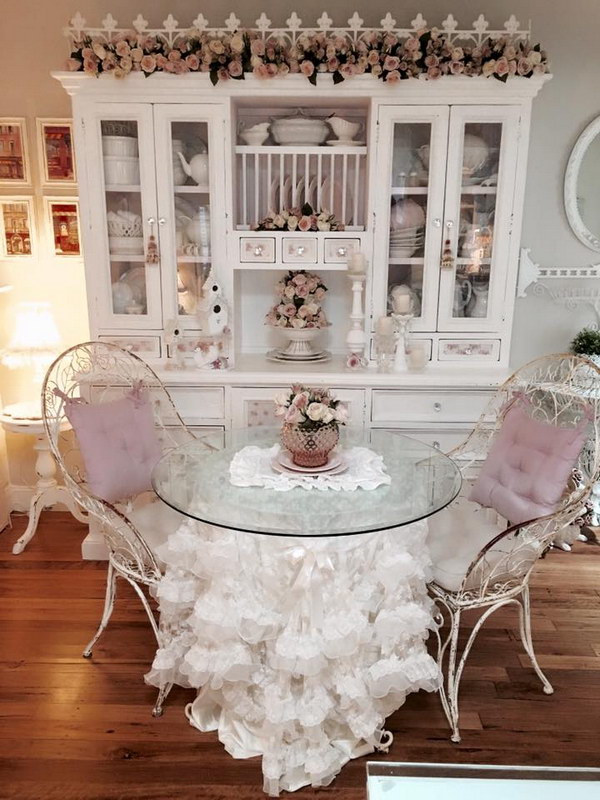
<point x="356" y="337"/>
<point x="357" y="264"/>
<point x="402" y="325"/>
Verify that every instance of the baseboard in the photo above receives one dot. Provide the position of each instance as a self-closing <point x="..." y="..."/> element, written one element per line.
<point x="20" y="499"/>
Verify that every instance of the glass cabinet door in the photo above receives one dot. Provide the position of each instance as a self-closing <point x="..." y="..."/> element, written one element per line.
<point x="126" y="279"/>
<point x="409" y="209"/>
<point x="479" y="194"/>
<point x="190" y="156"/>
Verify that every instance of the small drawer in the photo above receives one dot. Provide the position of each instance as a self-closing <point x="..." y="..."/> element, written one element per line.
<point x="443" y="439"/>
<point x="253" y="249"/>
<point x="338" y="251"/>
<point x="299" y="250"/>
<point x="198" y="403"/>
<point x="448" y="406"/>
<point x="471" y="349"/>
<point x="144" y="346"/>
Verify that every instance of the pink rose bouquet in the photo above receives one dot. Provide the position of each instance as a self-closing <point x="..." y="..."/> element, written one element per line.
<point x="310" y="409"/>
<point x="299" y="219"/>
<point x="299" y="302"/>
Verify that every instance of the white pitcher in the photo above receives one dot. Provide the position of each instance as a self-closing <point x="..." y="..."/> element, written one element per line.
<point x="479" y="307"/>
<point x="463" y="291"/>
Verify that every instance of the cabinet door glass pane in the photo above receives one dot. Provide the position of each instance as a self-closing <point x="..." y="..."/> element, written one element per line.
<point x="408" y="214"/>
<point x="190" y="157"/>
<point x="479" y="179"/>
<point x="123" y="199"/>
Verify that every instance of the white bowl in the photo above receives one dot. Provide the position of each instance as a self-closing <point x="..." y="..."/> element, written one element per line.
<point x="343" y="128"/>
<point x="254" y="138"/>
<point x="119" y="146"/>
<point x="126" y="245"/>
<point x="122" y="170"/>
<point x="299" y="131"/>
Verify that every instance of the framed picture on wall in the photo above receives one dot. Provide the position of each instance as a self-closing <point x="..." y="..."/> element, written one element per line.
<point x="63" y="225"/>
<point x="14" y="159"/>
<point x="16" y="224"/>
<point x="57" y="159"/>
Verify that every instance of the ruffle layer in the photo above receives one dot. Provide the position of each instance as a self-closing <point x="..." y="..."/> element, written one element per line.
<point x="301" y="648"/>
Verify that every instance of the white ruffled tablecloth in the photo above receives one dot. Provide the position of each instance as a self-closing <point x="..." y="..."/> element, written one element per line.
<point x="251" y="466"/>
<point x="300" y="648"/>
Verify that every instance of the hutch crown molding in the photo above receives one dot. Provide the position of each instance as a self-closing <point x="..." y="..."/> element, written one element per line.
<point x="437" y="164"/>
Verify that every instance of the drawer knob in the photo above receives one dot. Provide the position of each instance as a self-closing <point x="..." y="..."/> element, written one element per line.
<point x="342" y="251"/>
<point x="258" y="250"/>
<point x="300" y="250"/>
<point x="436" y="445"/>
<point x="437" y="406"/>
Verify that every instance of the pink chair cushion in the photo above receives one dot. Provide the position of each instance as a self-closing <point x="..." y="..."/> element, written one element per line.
<point x="118" y="444"/>
<point x="528" y="466"/>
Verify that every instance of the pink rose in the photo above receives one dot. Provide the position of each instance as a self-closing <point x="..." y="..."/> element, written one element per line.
<point x="174" y="55"/>
<point x="293" y="415"/>
<point x="457" y="67"/>
<point x="90" y="66"/>
<point x="434" y="72"/>
<point x="431" y="61"/>
<point x="257" y="47"/>
<point x="283" y="69"/>
<point x="390" y="63"/>
<point x="301" y="400"/>
<point x="161" y="61"/>
<point x="261" y="71"/>
<point x="223" y="74"/>
<point x="271" y="70"/>
<point x="192" y="61"/>
<point x="304" y="224"/>
<point x="235" y="69"/>
<point x="307" y="68"/>
<point x="502" y="67"/>
<point x="373" y="57"/>
<point x="73" y="64"/>
<point x="137" y="54"/>
<point x="332" y="64"/>
<point x="122" y="49"/>
<point x="393" y="76"/>
<point x="289" y="310"/>
<point x="302" y="291"/>
<point x="179" y="67"/>
<point x="299" y="279"/>
<point x="217" y="46"/>
<point x="524" y="66"/>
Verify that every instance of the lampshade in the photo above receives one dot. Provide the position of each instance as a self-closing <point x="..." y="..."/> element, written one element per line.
<point x="35" y="339"/>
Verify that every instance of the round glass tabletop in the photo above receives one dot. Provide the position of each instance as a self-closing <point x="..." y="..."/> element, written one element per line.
<point x="194" y="479"/>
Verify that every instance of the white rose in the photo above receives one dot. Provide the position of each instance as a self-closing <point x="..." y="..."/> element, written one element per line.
<point x="278" y="221"/>
<point x="535" y="57"/>
<point x="292" y="222"/>
<point x="323" y="226"/>
<point x="290" y="291"/>
<point x="341" y="413"/>
<point x="328" y="416"/>
<point x="311" y="308"/>
<point x="316" y="411"/>
<point x="281" y="398"/>
<point x="298" y="322"/>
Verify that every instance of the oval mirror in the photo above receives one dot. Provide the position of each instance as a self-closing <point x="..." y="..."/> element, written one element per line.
<point x="582" y="187"/>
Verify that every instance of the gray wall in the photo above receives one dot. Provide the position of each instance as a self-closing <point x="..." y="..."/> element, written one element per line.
<point x="32" y="45"/>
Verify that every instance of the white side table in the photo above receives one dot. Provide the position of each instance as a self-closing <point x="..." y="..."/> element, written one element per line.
<point x="47" y="491"/>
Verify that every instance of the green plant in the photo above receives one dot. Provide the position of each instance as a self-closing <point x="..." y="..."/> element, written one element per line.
<point x="587" y="342"/>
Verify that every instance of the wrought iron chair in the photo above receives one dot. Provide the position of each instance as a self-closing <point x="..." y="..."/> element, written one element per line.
<point x="99" y="371"/>
<point x="482" y="562"/>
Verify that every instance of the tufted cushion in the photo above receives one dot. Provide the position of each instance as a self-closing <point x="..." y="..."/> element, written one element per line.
<point x="118" y="444"/>
<point x="528" y="466"/>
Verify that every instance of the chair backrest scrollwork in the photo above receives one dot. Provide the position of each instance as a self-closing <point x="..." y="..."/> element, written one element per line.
<point x="99" y="372"/>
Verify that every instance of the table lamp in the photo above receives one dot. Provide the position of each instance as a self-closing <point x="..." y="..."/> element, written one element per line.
<point x="34" y="342"/>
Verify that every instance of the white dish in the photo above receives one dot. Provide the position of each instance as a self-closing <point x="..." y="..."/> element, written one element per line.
<point x="336" y="205"/>
<point x="285" y="200"/>
<point x="129" y="245"/>
<point x="284" y="459"/>
<point x="298" y="196"/>
<point x="274" y="195"/>
<point x="275" y="356"/>
<point x="312" y="191"/>
<point x="344" y="143"/>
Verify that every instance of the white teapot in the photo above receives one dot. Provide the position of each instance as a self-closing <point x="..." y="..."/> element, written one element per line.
<point x="197" y="228"/>
<point x="197" y="168"/>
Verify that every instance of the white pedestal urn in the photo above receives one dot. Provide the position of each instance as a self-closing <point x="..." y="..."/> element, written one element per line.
<point x="300" y="342"/>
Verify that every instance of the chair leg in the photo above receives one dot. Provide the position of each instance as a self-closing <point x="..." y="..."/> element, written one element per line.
<point x="162" y="696"/>
<point x="525" y="626"/>
<point x="448" y="690"/>
<point x="109" y="602"/>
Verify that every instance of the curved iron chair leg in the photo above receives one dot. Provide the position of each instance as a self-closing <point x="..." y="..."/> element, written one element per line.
<point x="525" y="627"/>
<point x="109" y="602"/>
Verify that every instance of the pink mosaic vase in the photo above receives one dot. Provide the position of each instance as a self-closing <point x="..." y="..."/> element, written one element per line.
<point x="310" y="448"/>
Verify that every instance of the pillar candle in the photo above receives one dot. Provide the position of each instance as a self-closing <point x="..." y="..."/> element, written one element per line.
<point x="357" y="264"/>
<point x="401" y="303"/>
<point x="385" y="326"/>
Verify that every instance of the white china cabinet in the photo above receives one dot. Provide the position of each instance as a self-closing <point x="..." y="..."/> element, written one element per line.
<point x="430" y="189"/>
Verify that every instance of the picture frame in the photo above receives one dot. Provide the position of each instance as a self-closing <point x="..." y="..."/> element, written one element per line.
<point x="64" y="231"/>
<point x="56" y="152"/>
<point x="14" y="153"/>
<point x="17" y="227"/>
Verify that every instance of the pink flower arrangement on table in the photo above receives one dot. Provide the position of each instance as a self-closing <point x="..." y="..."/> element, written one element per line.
<point x="299" y="302"/>
<point x="310" y="409"/>
<point x="429" y="53"/>
<point x="299" y="219"/>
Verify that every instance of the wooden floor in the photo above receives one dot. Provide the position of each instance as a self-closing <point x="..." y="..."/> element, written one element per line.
<point x="73" y="729"/>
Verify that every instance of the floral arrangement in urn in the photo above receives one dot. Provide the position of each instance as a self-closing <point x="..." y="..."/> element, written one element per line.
<point x="299" y="219"/>
<point x="311" y="420"/>
<point x="299" y="302"/>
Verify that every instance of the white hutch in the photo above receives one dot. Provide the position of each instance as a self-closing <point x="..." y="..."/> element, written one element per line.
<point x="410" y="166"/>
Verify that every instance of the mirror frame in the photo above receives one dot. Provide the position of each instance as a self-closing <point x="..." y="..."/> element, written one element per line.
<point x="576" y="222"/>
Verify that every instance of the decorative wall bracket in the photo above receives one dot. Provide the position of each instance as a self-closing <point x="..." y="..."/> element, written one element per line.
<point x="354" y="28"/>
<point x="570" y="297"/>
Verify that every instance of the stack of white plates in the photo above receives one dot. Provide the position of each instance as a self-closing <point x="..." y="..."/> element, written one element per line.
<point x="314" y="358"/>
<point x="405" y="241"/>
<point x="284" y="463"/>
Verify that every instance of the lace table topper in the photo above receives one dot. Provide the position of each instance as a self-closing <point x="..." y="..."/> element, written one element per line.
<point x="251" y="466"/>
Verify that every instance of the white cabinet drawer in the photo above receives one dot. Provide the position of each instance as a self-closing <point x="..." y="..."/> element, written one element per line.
<point x="197" y="403"/>
<point x="469" y="350"/>
<point x="257" y="249"/>
<point x="337" y="251"/>
<point x="299" y="250"/>
<point x="433" y="406"/>
<point x="144" y="346"/>
<point x="444" y="439"/>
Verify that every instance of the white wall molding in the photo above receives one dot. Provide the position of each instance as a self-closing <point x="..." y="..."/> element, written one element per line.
<point x="531" y="273"/>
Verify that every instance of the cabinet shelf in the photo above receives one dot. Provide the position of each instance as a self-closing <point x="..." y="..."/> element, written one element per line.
<point x="280" y="267"/>
<point x="410" y="189"/>
<point x="197" y="189"/>
<point x="292" y="149"/>
<point x="194" y="259"/>
<point x="478" y="190"/>
<point x="409" y="260"/>
<point x="123" y="187"/>
<point x="140" y="257"/>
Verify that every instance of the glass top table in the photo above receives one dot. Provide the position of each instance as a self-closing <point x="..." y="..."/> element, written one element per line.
<point x="194" y="480"/>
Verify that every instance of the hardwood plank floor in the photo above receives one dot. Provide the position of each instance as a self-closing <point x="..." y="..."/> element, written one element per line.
<point x="71" y="728"/>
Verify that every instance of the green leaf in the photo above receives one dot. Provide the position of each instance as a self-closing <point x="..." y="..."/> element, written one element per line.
<point x="337" y="77"/>
<point x="502" y="78"/>
<point x="307" y="210"/>
<point x="214" y="76"/>
<point x="313" y="78"/>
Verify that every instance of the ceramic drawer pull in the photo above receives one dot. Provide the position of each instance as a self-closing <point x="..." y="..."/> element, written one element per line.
<point x="436" y="444"/>
<point x="339" y="250"/>
<point x="437" y="406"/>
